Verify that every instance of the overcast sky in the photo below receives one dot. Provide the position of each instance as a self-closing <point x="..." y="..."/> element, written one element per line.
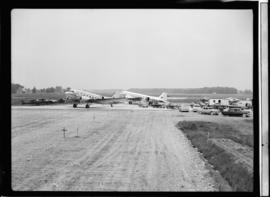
<point x="103" y="48"/>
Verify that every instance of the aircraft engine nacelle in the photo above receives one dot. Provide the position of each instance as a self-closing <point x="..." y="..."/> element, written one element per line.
<point x="84" y="98"/>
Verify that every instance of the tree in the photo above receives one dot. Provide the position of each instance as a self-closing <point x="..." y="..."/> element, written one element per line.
<point x="247" y="91"/>
<point x="34" y="90"/>
<point x="59" y="89"/>
<point x="50" y="90"/>
<point x="15" y="87"/>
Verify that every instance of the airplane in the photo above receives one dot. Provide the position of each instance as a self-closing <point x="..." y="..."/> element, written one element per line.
<point x="132" y="96"/>
<point x="79" y="96"/>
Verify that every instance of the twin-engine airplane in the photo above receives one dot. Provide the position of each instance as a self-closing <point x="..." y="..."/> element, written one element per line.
<point x="84" y="96"/>
<point x="132" y="96"/>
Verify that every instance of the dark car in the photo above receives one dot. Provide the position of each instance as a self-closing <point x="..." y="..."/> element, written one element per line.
<point x="235" y="112"/>
<point x="33" y="101"/>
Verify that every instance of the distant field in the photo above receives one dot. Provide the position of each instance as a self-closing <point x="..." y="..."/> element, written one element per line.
<point x="227" y="144"/>
<point x="198" y="96"/>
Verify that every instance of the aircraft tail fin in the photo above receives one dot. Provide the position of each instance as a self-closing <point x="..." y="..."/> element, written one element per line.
<point x="163" y="96"/>
<point x="118" y="94"/>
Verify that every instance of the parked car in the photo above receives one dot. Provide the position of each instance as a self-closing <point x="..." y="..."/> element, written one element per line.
<point x="39" y="101"/>
<point x="209" y="110"/>
<point x="236" y="112"/>
<point x="171" y="106"/>
<point x="249" y="112"/>
<point x="196" y="108"/>
<point x="156" y="105"/>
<point x="143" y="104"/>
<point x="184" y="108"/>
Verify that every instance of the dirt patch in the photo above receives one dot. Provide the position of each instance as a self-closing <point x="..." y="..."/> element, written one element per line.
<point x="117" y="150"/>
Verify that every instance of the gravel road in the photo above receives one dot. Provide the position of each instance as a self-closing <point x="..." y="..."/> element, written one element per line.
<point x="115" y="150"/>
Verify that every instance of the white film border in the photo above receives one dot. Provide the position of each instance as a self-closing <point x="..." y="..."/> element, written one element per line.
<point x="264" y="112"/>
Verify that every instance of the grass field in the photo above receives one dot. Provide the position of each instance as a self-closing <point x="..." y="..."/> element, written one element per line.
<point x="227" y="145"/>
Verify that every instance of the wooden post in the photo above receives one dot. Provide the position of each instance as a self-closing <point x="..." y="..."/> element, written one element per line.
<point x="64" y="132"/>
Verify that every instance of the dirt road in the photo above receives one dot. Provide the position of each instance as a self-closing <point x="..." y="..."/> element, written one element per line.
<point x="115" y="150"/>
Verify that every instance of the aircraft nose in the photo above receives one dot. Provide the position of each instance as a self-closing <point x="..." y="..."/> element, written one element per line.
<point x="69" y="93"/>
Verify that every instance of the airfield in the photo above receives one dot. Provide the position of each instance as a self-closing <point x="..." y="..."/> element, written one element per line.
<point x="104" y="148"/>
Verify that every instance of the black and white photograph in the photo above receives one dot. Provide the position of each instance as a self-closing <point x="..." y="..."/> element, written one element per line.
<point x="132" y="100"/>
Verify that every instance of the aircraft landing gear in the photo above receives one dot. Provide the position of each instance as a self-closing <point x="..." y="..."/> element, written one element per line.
<point x="87" y="106"/>
<point x="74" y="105"/>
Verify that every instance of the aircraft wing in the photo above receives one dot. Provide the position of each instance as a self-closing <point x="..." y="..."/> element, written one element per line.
<point x="133" y="98"/>
<point x="106" y="100"/>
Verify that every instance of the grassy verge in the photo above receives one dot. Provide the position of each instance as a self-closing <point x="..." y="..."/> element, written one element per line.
<point x="200" y="134"/>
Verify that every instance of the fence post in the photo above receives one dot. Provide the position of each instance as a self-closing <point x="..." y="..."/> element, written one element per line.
<point x="64" y="132"/>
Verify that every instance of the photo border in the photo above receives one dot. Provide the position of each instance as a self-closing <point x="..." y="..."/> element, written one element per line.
<point x="6" y="80"/>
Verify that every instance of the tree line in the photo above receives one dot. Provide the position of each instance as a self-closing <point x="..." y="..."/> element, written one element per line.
<point x="16" y="88"/>
<point x="204" y="90"/>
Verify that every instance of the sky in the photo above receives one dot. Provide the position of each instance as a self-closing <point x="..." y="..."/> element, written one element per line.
<point x="132" y="48"/>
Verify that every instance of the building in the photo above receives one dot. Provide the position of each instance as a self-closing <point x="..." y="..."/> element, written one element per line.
<point x="218" y="102"/>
